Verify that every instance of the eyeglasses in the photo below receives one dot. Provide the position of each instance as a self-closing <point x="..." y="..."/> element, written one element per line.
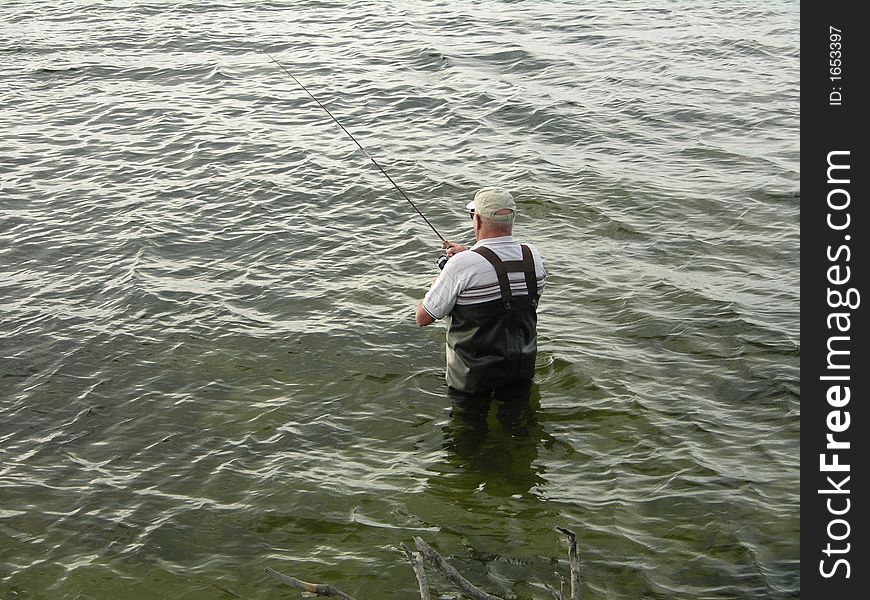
<point x="471" y="213"/>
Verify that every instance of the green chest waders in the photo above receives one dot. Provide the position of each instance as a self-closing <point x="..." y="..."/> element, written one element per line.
<point x="493" y="344"/>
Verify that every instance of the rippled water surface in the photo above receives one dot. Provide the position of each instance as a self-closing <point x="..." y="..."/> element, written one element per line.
<point x="208" y="361"/>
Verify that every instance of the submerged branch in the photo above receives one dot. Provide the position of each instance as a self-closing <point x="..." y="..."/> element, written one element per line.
<point x="419" y="572"/>
<point x="573" y="560"/>
<point x="319" y="589"/>
<point x="557" y="595"/>
<point x="452" y="574"/>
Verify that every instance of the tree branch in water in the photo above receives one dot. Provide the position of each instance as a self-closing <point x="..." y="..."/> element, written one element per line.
<point x="573" y="560"/>
<point x="452" y="574"/>
<point x="319" y="589"/>
<point x="419" y="572"/>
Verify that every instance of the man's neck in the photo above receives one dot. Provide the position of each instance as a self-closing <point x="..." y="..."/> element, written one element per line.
<point x="485" y="235"/>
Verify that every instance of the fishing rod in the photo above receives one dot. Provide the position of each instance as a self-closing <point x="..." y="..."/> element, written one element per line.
<point x="374" y="162"/>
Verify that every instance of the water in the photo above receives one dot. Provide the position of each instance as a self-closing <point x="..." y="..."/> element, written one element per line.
<point x="209" y="362"/>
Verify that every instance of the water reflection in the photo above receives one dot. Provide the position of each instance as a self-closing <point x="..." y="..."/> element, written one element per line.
<point x="491" y="442"/>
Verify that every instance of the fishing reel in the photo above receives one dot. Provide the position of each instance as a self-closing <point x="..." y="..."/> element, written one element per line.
<point x="442" y="260"/>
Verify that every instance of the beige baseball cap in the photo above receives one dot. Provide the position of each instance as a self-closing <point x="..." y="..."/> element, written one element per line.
<point x="489" y="200"/>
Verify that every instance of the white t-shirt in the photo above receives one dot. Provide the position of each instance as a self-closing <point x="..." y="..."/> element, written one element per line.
<point x="468" y="278"/>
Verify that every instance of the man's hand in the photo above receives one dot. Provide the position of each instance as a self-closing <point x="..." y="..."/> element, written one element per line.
<point x="452" y="248"/>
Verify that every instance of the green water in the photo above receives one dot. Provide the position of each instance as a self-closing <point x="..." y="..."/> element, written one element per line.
<point x="208" y="361"/>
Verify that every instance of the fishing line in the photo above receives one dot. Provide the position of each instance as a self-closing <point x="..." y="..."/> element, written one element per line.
<point x="350" y="135"/>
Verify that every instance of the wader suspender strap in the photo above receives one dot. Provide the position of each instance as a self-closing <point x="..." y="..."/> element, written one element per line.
<point x="502" y="268"/>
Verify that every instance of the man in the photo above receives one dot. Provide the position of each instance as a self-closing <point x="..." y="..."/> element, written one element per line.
<point x="489" y="296"/>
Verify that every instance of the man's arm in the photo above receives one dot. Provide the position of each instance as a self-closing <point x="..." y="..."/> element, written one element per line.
<point x="423" y="317"/>
<point x="442" y="293"/>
